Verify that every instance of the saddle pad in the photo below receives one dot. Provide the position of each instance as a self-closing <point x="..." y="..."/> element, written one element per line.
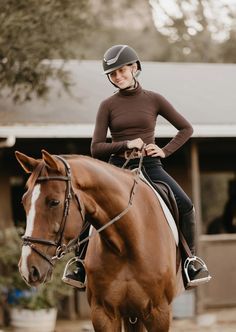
<point x="165" y="209"/>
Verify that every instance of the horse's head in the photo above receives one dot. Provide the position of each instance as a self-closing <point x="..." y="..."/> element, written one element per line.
<point x="52" y="215"/>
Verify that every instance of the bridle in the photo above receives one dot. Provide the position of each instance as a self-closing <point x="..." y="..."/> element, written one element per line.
<point x="63" y="249"/>
<point x="69" y="194"/>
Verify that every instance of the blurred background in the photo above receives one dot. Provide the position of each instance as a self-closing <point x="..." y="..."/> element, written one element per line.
<point x="51" y="85"/>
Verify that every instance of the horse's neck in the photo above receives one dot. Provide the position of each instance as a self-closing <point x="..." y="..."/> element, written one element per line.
<point x="105" y="192"/>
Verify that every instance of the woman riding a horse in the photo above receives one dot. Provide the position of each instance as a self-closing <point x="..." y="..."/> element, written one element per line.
<point x="132" y="258"/>
<point x="131" y="116"/>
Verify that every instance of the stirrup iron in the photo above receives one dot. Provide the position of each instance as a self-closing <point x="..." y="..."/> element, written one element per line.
<point x="67" y="271"/>
<point x="196" y="282"/>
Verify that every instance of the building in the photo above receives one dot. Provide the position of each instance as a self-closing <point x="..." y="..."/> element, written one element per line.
<point x="203" y="93"/>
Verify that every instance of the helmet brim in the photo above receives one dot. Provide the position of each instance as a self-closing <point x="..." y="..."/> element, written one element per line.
<point x="110" y="70"/>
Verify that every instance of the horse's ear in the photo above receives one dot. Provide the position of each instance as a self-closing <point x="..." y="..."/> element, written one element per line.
<point x="50" y="160"/>
<point x="27" y="163"/>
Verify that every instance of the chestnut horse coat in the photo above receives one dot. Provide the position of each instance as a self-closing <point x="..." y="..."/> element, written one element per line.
<point x="131" y="265"/>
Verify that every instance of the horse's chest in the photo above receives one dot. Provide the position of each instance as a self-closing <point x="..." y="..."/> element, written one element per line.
<point x="126" y="294"/>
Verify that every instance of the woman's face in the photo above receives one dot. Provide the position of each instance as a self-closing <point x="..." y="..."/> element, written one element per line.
<point x="123" y="77"/>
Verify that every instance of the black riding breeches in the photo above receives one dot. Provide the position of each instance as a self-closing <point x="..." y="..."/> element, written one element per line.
<point x="156" y="172"/>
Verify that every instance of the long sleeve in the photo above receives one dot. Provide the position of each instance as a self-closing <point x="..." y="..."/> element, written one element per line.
<point x="185" y="129"/>
<point x="100" y="148"/>
<point x="131" y="114"/>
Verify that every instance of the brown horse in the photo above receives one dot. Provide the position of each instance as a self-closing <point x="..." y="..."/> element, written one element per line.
<point x="130" y="265"/>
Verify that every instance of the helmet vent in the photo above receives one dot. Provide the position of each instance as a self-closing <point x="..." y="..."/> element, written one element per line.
<point x="113" y="60"/>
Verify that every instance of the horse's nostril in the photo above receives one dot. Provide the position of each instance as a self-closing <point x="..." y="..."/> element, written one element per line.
<point x="34" y="274"/>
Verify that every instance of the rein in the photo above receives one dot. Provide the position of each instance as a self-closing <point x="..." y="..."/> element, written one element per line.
<point x="72" y="246"/>
<point x="63" y="249"/>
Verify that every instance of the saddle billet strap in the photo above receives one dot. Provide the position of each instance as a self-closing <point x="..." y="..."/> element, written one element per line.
<point x="185" y="245"/>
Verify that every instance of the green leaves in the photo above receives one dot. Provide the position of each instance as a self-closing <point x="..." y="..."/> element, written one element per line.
<point x="45" y="296"/>
<point x="32" y="31"/>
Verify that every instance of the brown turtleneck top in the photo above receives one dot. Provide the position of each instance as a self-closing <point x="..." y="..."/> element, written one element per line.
<point x="130" y="114"/>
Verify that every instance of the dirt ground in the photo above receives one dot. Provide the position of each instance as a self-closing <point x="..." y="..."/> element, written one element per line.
<point x="223" y="320"/>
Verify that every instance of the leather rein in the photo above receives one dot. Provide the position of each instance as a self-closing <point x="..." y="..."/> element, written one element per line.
<point x="61" y="248"/>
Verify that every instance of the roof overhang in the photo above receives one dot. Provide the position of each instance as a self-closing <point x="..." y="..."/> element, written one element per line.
<point x="7" y="141"/>
<point x="86" y="131"/>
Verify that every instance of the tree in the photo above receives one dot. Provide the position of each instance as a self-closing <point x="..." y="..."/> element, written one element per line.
<point x="197" y="28"/>
<point x="123" y="22"/>
<point x="32" y="31"/>
<point x="228" y="48"/>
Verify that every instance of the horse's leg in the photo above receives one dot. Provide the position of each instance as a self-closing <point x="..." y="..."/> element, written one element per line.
<point x="102" y="322"/>
<point x="158" y="320"/>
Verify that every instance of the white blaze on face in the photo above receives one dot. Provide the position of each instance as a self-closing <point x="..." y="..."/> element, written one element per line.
<point x="26" y="250"/>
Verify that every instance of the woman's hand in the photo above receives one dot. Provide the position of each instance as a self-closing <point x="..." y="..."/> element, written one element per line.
<point x="153" y="150"/>
<point x="135" y="144"/>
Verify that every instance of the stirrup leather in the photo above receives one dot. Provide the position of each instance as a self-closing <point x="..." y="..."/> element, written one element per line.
<point x="196" y="282"/>
<point x="72" y="261"/>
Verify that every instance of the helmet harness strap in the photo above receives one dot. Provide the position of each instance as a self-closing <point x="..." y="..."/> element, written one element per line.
<point x="128" y="87"/>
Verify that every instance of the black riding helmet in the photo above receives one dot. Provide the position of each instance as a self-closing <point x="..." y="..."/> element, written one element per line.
<point x="118" y="56"/>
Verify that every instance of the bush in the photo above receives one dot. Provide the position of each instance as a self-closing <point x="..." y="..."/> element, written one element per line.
<point x="17" y="292"/>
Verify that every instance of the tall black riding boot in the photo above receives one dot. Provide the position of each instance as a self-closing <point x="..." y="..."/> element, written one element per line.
<point x="77" y="277"/>
<point x="195" y="269"/>
<point x="187" y="226"/>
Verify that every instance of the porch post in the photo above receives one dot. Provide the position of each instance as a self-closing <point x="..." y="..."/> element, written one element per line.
<point x="196" y="187"/>
<point x="196" y="197"/>
<point x="6" y="219"/>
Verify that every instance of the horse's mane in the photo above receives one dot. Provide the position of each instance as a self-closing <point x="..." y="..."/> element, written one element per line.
<point x="72" y="156"/>
<point x="110" y="169"/>
<point x="102" y="163"/>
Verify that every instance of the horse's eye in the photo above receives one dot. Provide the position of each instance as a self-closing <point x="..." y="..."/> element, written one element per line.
<point x="53" y="202"/>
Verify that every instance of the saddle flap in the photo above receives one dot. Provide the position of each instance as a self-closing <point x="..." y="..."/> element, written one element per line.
<point x="164" y="190"/>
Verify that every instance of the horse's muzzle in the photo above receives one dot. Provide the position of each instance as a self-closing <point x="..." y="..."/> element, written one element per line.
<point x="34" y="275"/>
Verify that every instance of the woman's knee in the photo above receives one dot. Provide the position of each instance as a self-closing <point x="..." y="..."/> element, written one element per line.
<point x="187" y="205"/>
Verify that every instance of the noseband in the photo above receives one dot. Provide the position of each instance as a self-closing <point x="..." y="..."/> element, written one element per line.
<point x="69" y="194"/>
